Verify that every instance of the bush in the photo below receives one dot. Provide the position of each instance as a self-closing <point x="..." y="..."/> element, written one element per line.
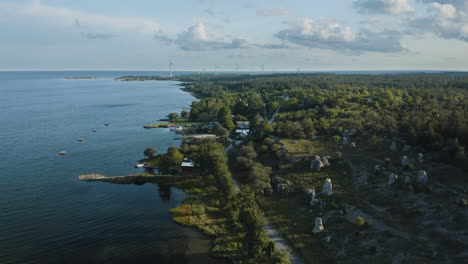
<point x="360" y="221"/>
<point x="338" y="155"/>
<point x="387" y="161"/>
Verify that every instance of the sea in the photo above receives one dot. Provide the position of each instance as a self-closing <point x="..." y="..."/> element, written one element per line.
<point x="46" y="214"/>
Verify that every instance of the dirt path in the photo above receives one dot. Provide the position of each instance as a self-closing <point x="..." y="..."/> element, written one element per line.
<point x="274" y="115"/>
<point x="280" y="243"/>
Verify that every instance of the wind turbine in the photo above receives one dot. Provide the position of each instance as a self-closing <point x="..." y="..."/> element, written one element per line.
<point x="170" y="66"/>
<point x="262" y="66"/>
<point x="237" y="69"/>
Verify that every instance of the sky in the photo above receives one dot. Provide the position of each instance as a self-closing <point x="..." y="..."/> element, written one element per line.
<point x="217" y="35"/>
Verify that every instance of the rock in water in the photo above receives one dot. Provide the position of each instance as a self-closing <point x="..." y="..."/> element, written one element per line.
<point x="316" y="164"/>
<point x="420" y="157"/>
<point x="422" y="176"/>
<point x="327" y="187"/>
<point x="404" y="161"/>
<point x="392" y="178"/>
<point x="318" y="225"/>
<point x="393" y="146"/>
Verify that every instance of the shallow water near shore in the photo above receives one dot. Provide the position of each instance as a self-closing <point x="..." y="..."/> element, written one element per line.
<point x="46" y="215"/>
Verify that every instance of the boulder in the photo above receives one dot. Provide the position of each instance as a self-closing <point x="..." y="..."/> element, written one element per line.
<point x="313" y="199"/>
<point x="420" y="157"/>
<point x="393" y="147"/>
<point x="325" y="161"/>
<point x="316" y="163"/>
<point x="327" y="187"/>
<point x="376" y="169"/>
<point x="392" y="177"/>
<point x="422" y="176"/>
<point x="407" y="179"/>
<point x="318" y="225"/>
<point x="404" y="161"/>
<point x="406" y="148"/>
<point x="344" y="141"/>
<point x="346" y="134"/>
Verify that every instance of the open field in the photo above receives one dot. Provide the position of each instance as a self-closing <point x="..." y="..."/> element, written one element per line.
<point x="300" y="148"/>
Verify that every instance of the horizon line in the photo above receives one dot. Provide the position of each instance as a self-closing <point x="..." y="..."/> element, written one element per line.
<point x="246" y="71"/>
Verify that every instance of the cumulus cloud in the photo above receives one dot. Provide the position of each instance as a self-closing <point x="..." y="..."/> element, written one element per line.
<point x="328" y="34"/>
<point x="275" y="12"/>
<point x="459" y="4"/>
<point x="387" y="7"/>
<point x="197" y="38"/>
<point x="444" y="20"/>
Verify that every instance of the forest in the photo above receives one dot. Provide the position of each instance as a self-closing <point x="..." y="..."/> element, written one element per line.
<point x="429" y="110"/>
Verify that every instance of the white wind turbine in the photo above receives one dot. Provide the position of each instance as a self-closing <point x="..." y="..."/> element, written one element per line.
<point x="262" y="66"/>
<point x="170" y="66"/>
<point x="237" y="69"/>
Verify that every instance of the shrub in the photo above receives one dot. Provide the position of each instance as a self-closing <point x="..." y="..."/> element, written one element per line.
<point x="360" y="221"/>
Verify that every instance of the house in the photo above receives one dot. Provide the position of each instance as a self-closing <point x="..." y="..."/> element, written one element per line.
<point x="243" y="128"/>
<point x="243" y="124"/>
<point x="187" y="166"/>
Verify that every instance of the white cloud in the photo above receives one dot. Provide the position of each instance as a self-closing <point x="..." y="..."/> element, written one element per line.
<point x="458" y="4"/>
<point x="387" y="7"/>
<point x="275" y="12"/>
<point x="328" y="34"/>
<point x="444" y="20"/>
<point x="65" y="17"/>
<point x="446" y="11"/>
<point x="197" y="38"/>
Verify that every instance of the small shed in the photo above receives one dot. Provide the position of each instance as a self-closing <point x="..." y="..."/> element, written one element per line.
<point x="187" y="166"/>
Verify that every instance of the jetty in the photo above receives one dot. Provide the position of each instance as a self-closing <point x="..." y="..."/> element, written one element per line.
<point x="139" y="178"/>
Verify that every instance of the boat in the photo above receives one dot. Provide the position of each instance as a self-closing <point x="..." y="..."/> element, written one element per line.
<point x="62" y="152"/>
<point x="94" y="130"/>
<point x="141" y="165"/>
<point x="106" y="124"/>
<point x="80" y="139"/>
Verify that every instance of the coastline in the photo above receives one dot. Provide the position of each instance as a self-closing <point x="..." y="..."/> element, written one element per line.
<point x="187" y="213"/>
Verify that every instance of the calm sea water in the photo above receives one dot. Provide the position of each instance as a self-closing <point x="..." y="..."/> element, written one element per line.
<point x="46" y="215"/>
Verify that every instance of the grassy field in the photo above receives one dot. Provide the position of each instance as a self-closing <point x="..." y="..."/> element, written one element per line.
<point x="202" y="210"/>
<point x="300" y="148"/>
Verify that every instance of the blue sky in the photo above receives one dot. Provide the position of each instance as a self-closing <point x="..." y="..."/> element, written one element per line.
<point x="218" y="34"/>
